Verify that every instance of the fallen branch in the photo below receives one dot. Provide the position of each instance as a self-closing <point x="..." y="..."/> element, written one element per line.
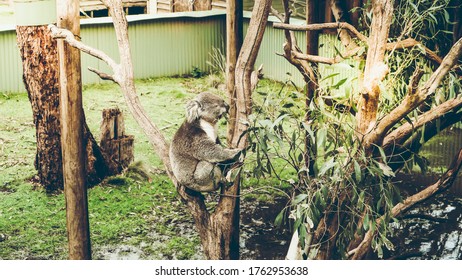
<point x="442" y="184"/>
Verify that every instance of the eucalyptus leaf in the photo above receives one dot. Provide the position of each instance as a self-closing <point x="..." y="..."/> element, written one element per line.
<point x="387" y="171"/>
<point x="326" y="166"/>
<point x="299" y="198"/>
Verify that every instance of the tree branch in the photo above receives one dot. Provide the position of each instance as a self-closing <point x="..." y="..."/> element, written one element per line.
<point x="413" y="100"/>
<point x="442" y="184"/>
<point x="328" y="60"/>
<point x="375" y="69"/>
<point x="409" y="43"/>
<point x="102" y="75"/>
<point x="412" y="142"/>
<point x="345" y="37"/>
<point x="59" y="33"/>
<point x="321" y="26"/>
<point x="290" y="46"/>
<point x="401" y="134"/>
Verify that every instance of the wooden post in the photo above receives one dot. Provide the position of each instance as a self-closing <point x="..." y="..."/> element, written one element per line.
<point x="312" y="10"/>
<point x="234" y="35"/>
<point x="72" y="135"/>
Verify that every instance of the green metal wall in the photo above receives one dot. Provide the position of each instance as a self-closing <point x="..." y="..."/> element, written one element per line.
<point x="10" y="63"/>
<point x="275" y="66"/>
<point x="161" y="45"/>
<point x="165" y="45"/>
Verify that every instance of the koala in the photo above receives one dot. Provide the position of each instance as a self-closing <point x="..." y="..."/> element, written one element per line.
<point x="198" y="160"/>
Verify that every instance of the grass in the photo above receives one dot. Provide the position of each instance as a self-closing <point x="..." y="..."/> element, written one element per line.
<point x="124" y="210"/>
<point x="130" y="216"/>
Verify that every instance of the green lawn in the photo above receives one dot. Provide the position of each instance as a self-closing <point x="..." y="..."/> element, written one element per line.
<point x="131" y="217"/>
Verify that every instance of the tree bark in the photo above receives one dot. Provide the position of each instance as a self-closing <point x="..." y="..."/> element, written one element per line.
<point x="375" y="70"/>
<point x="244" y="68"/>
<point x="39" y="56"/>
<point x="312" y="8"/>
<point x="234" y="34"/>
<point x="40" y="75"/>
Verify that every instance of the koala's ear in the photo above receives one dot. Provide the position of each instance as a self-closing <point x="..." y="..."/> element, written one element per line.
<point x="193" y="108"/>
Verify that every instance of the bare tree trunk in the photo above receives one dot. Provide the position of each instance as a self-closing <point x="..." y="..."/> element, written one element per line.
<point x="78" y="228"/>
<point x="375" y="70"/>
<point x="224" y="222"/>
<point x="40" y="74"/>
<point x="400" y="142"/>
<point x="39" y="55"/>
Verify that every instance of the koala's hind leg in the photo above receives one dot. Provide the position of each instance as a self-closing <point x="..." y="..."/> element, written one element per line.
<point x="207" y="177"/>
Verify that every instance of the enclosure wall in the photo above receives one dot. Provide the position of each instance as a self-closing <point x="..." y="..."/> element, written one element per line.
<point x="165" y="45"/>
<point x="161" y="45"/>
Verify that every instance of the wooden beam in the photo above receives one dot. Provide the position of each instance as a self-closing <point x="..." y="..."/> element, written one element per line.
<point x="72" y="135"/>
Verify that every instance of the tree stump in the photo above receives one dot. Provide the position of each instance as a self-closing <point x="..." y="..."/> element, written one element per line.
<point x="115" y="145"/>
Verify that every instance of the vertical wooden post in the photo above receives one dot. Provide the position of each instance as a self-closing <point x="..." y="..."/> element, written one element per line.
<point x="312" y="11"/>
<point x="234" y="37"/>
<point x="72" y="135"/>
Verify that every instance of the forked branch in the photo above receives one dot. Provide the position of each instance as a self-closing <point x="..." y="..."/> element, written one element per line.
<point x="59" y="33"/>
<point x="414" y="99"/>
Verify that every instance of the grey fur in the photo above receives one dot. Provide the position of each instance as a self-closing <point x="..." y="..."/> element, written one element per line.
<point x="194" y="155"/>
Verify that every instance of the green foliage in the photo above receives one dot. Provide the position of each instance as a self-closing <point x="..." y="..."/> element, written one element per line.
<point x="277" y="137"/>
<point x="196" y="72"/>
<point x="427" y="21"/>
<point x="217" y="61"/>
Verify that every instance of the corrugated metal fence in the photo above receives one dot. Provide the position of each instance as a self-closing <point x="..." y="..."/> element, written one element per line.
<point x="164" y="45"/>
<point x="161" y="45"/>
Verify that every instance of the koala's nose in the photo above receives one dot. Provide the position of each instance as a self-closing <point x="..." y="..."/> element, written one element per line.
<point x="226" y="107"/>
